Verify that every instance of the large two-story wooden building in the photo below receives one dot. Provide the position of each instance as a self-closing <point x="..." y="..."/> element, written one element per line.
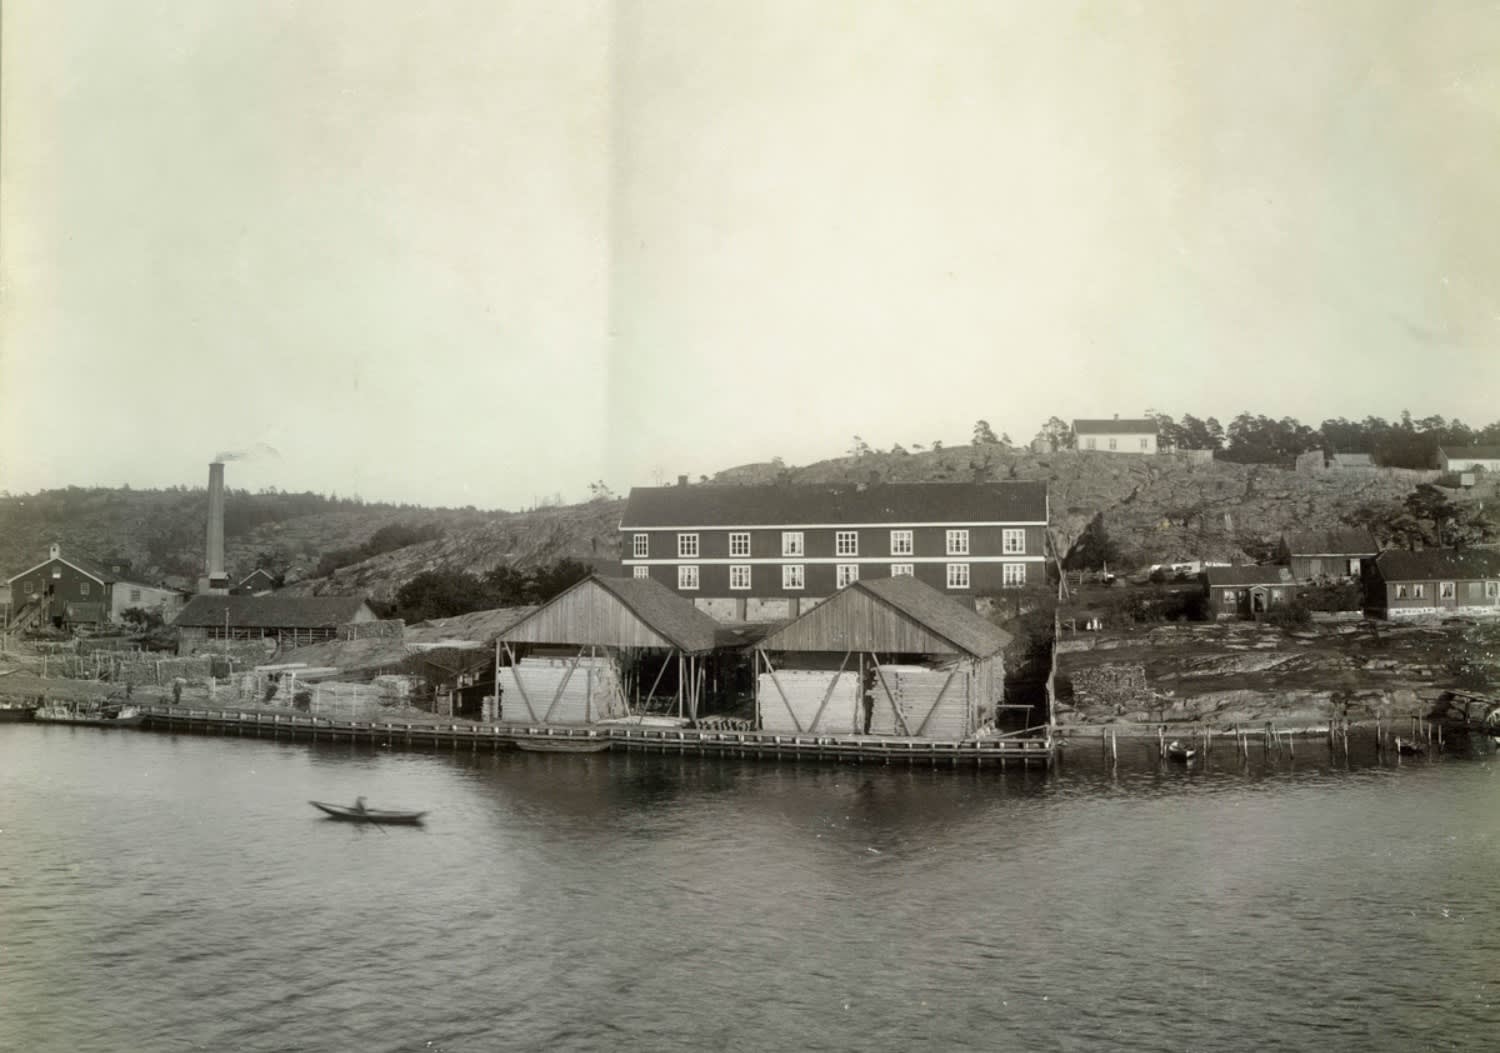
<point x="760" y="553"/>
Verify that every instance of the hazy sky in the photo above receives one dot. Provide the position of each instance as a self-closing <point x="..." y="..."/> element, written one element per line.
<point x="477" y="252"/>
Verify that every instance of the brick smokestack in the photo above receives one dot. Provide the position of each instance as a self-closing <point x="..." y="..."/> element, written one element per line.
<point x="217" y="580"/>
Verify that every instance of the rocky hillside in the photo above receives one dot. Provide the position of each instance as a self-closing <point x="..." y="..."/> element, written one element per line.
<point x="1164" y="508"/>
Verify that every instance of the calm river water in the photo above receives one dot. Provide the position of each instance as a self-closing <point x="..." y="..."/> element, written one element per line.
<point x="177" y="893"/>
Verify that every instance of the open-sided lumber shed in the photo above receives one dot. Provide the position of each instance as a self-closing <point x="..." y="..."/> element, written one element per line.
<point x="589" y="653"/>
<point x="889" y="656"/>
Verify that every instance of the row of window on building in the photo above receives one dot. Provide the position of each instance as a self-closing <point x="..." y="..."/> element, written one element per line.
<point x="794" y="575"/>
<point x="845" y="543"/>
<point x="1446" y="590"/>
<point x="1093" y="444"/>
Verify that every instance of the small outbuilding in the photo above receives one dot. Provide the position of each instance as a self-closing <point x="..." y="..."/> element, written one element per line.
<point x="1247" y="591"/>
<point x="601" y="650"/>
<point x="883" y="656"/>
<point x="1469" y="458"/>
<point x="1434" y="581"/>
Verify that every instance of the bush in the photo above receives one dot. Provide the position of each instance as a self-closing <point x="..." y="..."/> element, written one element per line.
<point x="1289" y="615"/>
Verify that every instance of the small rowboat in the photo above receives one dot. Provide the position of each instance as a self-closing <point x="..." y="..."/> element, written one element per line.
<point x="1407" y="748"/>
<point x="356" y="814"/>
<point x="1178" y="752"/>
<point x="563" y="744"/>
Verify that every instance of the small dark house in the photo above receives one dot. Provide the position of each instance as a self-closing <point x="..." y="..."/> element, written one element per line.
<point x="1246" y="592"/>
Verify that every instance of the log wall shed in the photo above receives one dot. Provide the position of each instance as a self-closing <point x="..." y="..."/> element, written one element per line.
<point x="601" y="650"/>
<point x="886" y="656"/>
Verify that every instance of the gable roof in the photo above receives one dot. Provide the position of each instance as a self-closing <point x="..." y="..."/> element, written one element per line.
<point x="1438" y="563"/>
<point x="660" y="616"/>
<point x="1482" y="453"/>
<point x="82" y="564"/>
<point x="927" y="622"/>
<point x="1331" y="543"/>
<point x="270" y="612"/>
<point x="1115" y="426"/>
<point x="810" y="505"/>
<point x="1235" y="577"/>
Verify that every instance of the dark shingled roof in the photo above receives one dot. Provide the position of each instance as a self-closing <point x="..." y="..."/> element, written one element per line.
<point x="1436" y="564"/>
<point x="716" y="506"/>
<point x="270" y="612"/>
<point x="1117" y="426"/>
<point x="1237" y="577"/>
<point x="939" y="614"/>
<point x="1331" y="543"/>
<point x="1483" y="453"/>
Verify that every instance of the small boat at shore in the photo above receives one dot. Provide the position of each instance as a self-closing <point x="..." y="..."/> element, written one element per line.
<point x="1176" y="751"/>
<point x="563" y="744"/>
<point x="358" y="813"/>
<point x="11" y="712"/>
<point x="89" y="714"/>
<point x="1407" y="748"/>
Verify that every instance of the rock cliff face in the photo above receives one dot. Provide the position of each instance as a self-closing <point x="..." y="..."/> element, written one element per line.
<point x="1243" y="673"/>
<point x="1158" y="508"/>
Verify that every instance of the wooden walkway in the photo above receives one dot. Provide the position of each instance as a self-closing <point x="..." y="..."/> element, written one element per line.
<point x="998" y="751"/>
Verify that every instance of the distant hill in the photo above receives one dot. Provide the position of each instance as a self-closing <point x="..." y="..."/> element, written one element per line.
<point x="1154" y="509"/>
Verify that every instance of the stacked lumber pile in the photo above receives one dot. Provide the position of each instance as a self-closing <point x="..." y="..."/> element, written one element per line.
<point x="591" y="693"/>
<point x="804" y="691"/>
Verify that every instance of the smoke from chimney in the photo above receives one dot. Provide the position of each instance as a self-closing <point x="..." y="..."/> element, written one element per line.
<point x="260" y="449"/>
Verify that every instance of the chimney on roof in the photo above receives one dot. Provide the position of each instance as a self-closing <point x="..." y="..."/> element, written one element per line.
<point x="54" y="550"/>
<point x="682" y="480"/>
<point x="1117" y="416"/>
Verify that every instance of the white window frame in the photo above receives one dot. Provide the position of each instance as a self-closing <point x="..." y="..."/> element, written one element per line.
<point x="845" y="574"/>
<point x="1353" y="567"/>
<point x="1112" y="444"/>
<point x="793" y="576"/>
<point x="1447" y="591"/>
<point x="1419" y="591"/>
<point x="1230" y="599"/>
<point x="135" y="595"/>
<point x="687" y="577"/>
<point x="1013" y="542"/>
<point x="902" y="543"/>
<point x="1402" y="592"/>
<point x="739" y="543"/>
<point x="1144" y="445"/>
<point x="739" y="576"/>
<point x="846" y="542"/>
<point x="56" y="572"/>
<point x="83" y="588"/>
<point x="687" y="546"/>
<point x="958" y="575"/>
<point x="1012" y="575"/>
<point x="1491" y="589"/>
<point x="642" y="572"/>
<point x="903" y="570"/>
<point x="642" y="546"/>
<point x="956" y="542"/>
<point x="1090" y="444"/>
<point x="792" y="543"/>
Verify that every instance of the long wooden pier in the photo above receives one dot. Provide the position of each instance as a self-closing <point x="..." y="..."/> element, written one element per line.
<point x="997" y="751"/>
